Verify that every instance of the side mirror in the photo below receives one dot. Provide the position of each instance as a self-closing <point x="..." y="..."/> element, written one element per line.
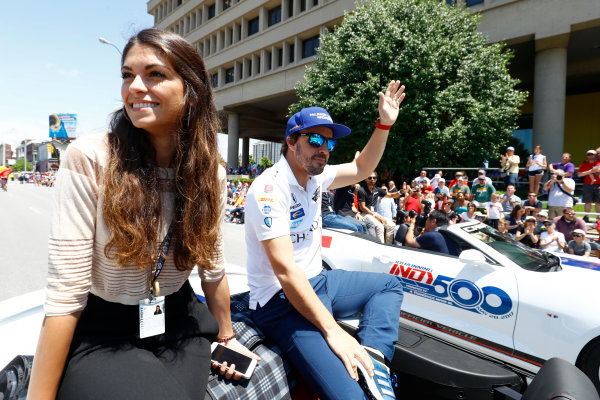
<point x="474" y="257"/>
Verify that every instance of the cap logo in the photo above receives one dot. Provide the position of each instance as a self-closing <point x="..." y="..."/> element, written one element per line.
<point x="291" y="129"/>
<point x="321" y="116"/>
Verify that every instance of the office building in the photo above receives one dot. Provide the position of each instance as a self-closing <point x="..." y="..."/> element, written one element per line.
<point x="257" y="50"/>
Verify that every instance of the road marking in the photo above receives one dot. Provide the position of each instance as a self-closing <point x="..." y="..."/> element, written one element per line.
<point x="35" y="210"/>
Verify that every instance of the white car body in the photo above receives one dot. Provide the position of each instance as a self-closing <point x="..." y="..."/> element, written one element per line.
<point x="483" y="301"/>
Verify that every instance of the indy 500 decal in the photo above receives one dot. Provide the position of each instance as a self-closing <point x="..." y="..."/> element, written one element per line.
<point x="421" y="281"/>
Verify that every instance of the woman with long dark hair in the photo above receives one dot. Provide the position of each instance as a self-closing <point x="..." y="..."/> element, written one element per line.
<point x="136" y="210"/>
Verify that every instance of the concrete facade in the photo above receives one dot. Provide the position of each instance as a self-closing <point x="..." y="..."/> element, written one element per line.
<point x="257" y="50"/>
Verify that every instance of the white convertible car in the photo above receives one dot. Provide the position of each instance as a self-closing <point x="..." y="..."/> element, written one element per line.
<point x="498" y="299"/>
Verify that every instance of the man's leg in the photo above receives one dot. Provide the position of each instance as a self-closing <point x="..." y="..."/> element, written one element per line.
<point x="554" y="211"/>
<point x="304" y="346"/>
<point x="336" y="221"/>
<point x="378" y="296"/>
<point x="379" y="229"/>
<point x="389" y="227"/>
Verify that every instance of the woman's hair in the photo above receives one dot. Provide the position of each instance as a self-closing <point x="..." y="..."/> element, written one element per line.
<point x="515" y="211"/>
<point x="132" y="206"/>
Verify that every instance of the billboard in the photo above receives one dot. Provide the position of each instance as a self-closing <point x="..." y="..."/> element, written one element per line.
<point x="63" y="125"/>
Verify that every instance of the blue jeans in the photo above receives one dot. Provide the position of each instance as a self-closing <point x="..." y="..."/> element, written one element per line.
<point x="511" y="179"/>
<point x="344" y="293"/>
<point x="333" y="220"/>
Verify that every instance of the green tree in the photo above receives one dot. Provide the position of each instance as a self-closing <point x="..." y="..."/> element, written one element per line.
<point x="461" y="102"/>
<point x="251" y="160"/>
<point x="20" y="163"/>
<point x="265" y="163"/>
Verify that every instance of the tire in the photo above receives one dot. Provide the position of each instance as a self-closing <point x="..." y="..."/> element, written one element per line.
<point x="589" y="362"/>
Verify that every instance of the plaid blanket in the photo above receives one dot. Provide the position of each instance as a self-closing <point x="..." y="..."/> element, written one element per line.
<point x="273" y="377"/>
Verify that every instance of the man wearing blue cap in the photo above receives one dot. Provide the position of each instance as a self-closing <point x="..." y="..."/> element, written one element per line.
<point x="296" y="301"/>
<point x="510" y="165"/>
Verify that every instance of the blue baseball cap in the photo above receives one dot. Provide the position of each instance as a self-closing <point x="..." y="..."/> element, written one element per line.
<point x="315" y="116"/>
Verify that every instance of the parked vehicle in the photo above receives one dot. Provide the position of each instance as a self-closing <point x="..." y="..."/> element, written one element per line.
<point x="498" y="299"/>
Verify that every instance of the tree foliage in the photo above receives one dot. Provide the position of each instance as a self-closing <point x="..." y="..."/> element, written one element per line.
<point x="461" y="103"/>
<point x="265" y="162"/>
<point x="20" y="165"/>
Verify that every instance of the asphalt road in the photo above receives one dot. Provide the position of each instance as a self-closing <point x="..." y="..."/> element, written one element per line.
<point x="25" y="214"/>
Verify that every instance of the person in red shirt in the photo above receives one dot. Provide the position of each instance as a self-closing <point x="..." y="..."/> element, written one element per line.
<point x="590" y="171"/>
<point x="413" y="200"/>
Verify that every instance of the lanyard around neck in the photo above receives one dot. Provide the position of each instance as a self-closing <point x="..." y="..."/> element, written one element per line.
<point x="159" y="262"/>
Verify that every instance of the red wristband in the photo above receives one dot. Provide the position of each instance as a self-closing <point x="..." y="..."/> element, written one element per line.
<point x="382" y="127"/>
<point x="226" y="339"/>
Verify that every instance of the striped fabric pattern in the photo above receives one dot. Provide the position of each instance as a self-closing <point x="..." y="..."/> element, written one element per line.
<point x="77" y="264"/>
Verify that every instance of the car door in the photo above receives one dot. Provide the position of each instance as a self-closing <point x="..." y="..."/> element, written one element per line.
<point x="469" y="298"/>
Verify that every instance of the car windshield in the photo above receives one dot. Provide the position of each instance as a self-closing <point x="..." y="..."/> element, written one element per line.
<point x="525" y="257"/>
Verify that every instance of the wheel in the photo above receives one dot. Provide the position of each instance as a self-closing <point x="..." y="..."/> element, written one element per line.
<point x="589" y="362"/>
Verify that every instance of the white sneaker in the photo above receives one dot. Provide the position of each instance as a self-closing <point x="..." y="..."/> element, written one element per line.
<point x="378" y="387"/>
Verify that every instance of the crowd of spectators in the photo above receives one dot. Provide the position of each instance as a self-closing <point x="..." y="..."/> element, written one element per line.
<point x="387" y="212"/>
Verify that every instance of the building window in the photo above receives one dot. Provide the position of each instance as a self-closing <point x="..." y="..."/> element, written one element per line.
<point x="179" y="2"/>
<point x="302" y="5"/>
<point x="290" y="8"/>
<point x="229" y="75"/>
<point x="215" y="79"/>
<point x="292" y="51"/>
<point x="275" y="15"/>
<point x="250" y="67"/>
<point x="279" y="57"/>
<point x="211" y="11"/>
<point x="253" y="26"/>
<point x="226" y="4"/>
<point x="473" y="2"/>
<point x="315" y="3"/>
<point x="309" y="46"/>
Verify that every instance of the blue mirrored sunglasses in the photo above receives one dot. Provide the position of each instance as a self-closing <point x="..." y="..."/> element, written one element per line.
<point x="317" y="140"/>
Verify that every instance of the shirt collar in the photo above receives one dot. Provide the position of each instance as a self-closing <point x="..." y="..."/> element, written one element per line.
<point x="289" y="174"/>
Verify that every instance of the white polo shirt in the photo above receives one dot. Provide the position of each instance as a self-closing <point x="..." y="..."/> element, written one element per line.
<point x="276" y="205"/>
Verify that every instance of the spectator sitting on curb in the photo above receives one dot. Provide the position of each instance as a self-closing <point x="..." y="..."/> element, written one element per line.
<point x="459" y="186"/>
<point x="532" y="204"/>
<point x="509" y="199"/>
<point x="525" y="233"/>
<point x="551" y="239"/>
<point x="568" y="222"/>
<point x="482" y="190"/>
<point x="578" y="246"/>
<point x="515" y="219"/>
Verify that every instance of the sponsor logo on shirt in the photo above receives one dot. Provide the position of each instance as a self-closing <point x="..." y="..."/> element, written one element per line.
<point x="268" y="221"/>
<point x="300" y="237"/>
<point x="296" y="223"/>
<point x="316" y="195"/>
<point x="297" y="214"/>
<point x="267" y="200"/>
<point x="294" y="206"/>
<point x="266" y="209"/>
<point x="268" y="188"/>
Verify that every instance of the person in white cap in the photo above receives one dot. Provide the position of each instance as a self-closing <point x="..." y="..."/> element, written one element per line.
<point x="510" y="165"/>
<point x="578" y="245"/>
<point x="590" y="171"/>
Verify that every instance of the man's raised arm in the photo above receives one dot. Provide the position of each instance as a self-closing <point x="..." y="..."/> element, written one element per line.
<point x="367" y="160"/>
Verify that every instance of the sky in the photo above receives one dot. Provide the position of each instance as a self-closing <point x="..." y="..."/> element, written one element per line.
<point x="51" y="61"/>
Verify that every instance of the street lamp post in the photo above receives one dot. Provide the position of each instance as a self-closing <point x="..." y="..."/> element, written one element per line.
<point x="104" y="41"/>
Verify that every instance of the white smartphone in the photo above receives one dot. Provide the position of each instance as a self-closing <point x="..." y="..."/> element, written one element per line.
<point x="243" y="364"/>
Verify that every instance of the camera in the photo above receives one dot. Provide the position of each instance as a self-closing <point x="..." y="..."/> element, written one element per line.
<point x="559" y="177"/>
